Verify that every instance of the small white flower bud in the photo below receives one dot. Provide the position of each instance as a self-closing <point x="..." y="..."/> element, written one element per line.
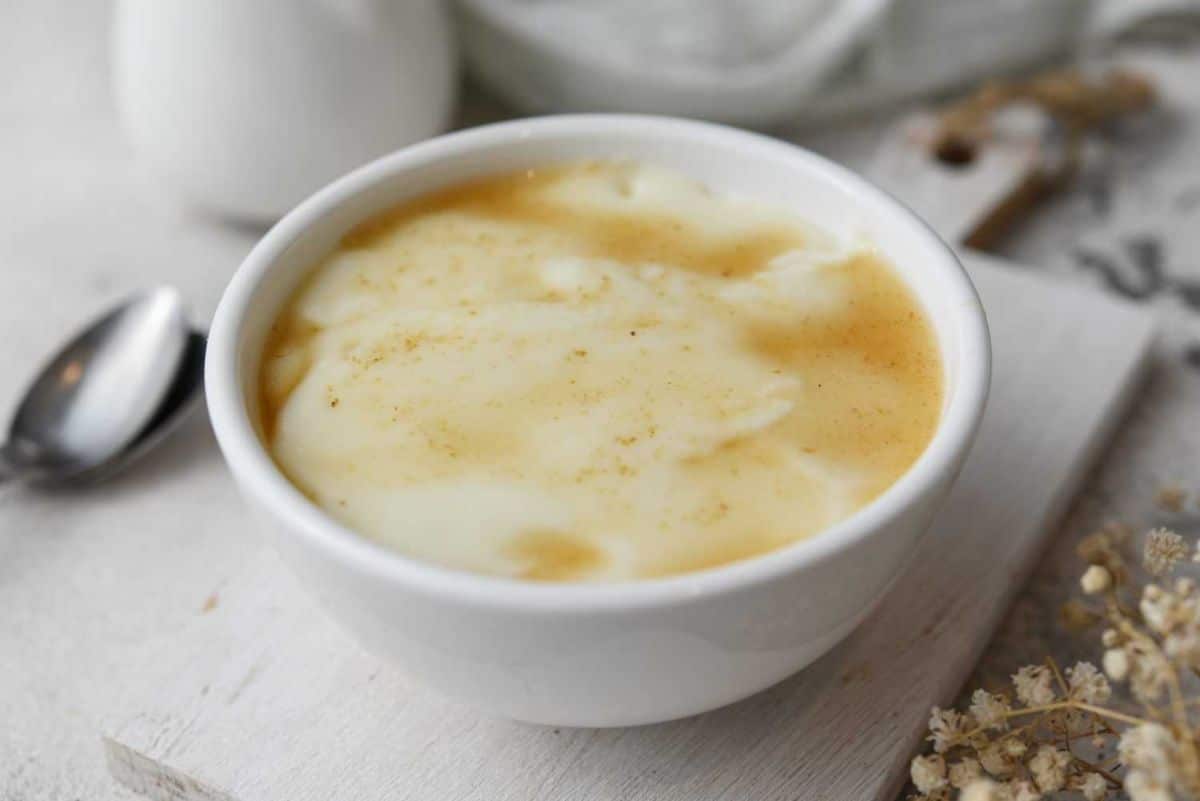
<point x="1111" y="638"/>
<point x="1049" y="768"/>
<point x="1014" y="747"/>
<point x="928" y="773"/>
<point x="1093" y="787"/>
<point x="1024" y="791"/>
<point x="1096" y="579"/>
<point x="1116" y="664"/>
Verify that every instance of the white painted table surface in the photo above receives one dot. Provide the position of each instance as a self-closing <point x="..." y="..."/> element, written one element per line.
<point x="82" y="592"/>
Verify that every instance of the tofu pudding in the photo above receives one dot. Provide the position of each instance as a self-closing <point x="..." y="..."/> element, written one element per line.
<point x="596" y="371"/>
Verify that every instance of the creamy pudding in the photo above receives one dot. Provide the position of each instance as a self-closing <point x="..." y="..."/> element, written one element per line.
<point x="596" y="372"/>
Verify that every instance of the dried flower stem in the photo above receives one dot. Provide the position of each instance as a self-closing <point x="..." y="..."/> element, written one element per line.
<point x="1099" y="711"/>
<point x="1094" y="768"/>
<point x="1062" y="684"/>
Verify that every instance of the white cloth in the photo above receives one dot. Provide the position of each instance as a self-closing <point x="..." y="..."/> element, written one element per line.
<point x="756" y="61"/>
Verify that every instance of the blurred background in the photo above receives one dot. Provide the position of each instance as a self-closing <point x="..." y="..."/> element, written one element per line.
<point x="225" y="98"/>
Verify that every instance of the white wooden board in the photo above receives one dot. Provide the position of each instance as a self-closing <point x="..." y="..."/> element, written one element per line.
<point x="263" y="699"/>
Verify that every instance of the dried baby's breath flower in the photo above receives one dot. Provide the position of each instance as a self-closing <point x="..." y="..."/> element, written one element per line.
<point x="1014" y="747"/>
<point x="964" y="773"/>
<point x="995" y="760"/>
<point x="1093" y="787"/>
<point x="1116" y="664"/>
<point x="928" y="773"/>
<point x="1156" y="607"/>
<point x="1023" y="790"/>
<point x="1096" y="579"/>
<point x="985" y="790"/>
<point x="1184" y="647"/>
<point x="1162" y="550"/>
<point x="989" y="711"/>
<point x="1049" y="768"/>
<point x="1034" y="685"/>
<point x="1151" y="753"/>
<point x="1150" y="748"/>
<point x="1171" y="497"/>
<point x="1142" y="787"/>
<point x="1175" y="615"/>
<point x="1000" y="758"/>
<point x="1064" y="737"/>
<point x="1088" y="684"/>
<point x="1149" y="670"/>
<point x="946" y="727"/>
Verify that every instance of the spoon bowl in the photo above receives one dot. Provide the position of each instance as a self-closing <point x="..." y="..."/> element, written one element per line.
<point x="100" y="394"/>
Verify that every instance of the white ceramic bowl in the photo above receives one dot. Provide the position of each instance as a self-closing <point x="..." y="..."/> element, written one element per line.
<point x="596" y="654"/>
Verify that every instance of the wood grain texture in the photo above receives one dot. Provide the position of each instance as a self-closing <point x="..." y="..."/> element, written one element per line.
<point x="263" y="699"/>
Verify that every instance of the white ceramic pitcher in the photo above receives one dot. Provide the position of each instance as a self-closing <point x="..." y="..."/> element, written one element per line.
<point x="247" y="106"/>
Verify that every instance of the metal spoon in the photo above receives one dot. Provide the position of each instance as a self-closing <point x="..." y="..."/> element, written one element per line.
<point x="108" y="395"/>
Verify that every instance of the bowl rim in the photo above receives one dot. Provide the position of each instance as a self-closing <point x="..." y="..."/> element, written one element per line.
<point x="262" y="481"/>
